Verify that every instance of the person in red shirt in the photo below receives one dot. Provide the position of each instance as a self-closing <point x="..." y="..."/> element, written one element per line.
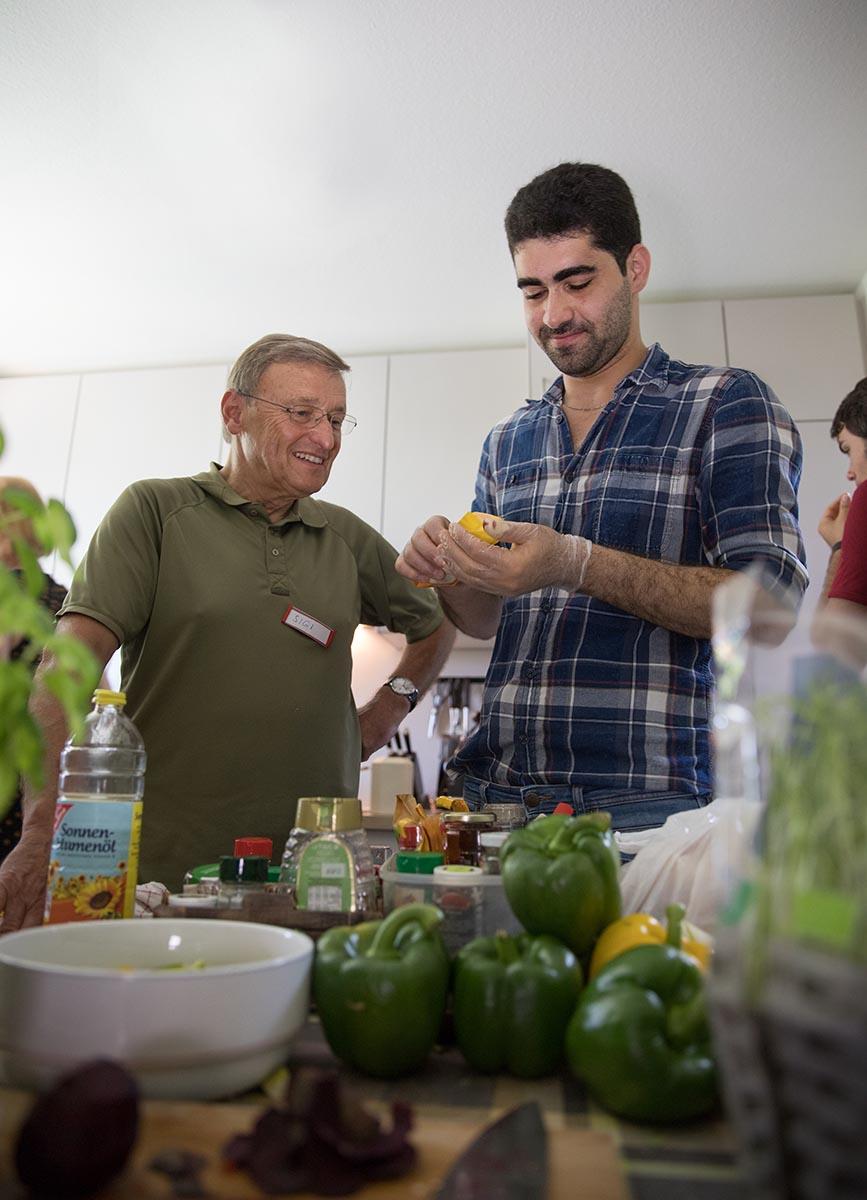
<point x="844" y="522"/>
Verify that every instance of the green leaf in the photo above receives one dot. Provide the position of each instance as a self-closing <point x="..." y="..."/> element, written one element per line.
<point x="56" y="527"/>
<point x="22" y="501"/>
<point x="34" y="576"/>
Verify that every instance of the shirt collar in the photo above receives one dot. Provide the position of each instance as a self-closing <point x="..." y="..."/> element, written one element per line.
<point x="652" y="371"/>
<point x="305" y="510"/>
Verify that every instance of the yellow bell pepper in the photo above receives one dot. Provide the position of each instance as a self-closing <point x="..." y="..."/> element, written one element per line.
<point x="638" y="929"/>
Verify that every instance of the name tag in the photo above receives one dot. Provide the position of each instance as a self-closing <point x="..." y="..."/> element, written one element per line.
<point x="308" y="625"/>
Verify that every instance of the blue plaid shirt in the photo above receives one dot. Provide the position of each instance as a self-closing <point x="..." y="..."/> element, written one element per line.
<point x="687" y="464"/>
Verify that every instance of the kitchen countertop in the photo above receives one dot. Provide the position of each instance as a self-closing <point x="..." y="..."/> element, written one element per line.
<point x="690" y="1162"/>
<point x="591" y="1155"/>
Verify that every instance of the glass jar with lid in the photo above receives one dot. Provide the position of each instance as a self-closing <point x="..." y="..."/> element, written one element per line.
<point x="471" y="826"/>
<point x="327" y="864"/>
<point x="507" y="816"/>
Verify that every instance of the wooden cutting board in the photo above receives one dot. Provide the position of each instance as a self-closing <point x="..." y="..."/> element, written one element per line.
<point x="584" y="1157"/>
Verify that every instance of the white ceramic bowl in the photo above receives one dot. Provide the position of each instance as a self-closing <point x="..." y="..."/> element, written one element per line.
<point x="69" y="993"/>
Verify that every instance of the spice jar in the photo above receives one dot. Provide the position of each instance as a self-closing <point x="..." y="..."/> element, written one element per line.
<point x="471" y="826"/>
<point x="507" y="816"/>
<point x="241" y="877"/>
<point x="491" y="844"/>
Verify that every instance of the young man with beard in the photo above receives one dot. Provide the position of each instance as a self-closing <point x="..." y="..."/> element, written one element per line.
<point x="622" y="499"/>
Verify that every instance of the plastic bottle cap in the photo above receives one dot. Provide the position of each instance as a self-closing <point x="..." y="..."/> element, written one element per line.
<point x="251" y="869"/>
<point x="418" y="862"/>
<point x="245" y="846"/>
<point x="104" y="696"/>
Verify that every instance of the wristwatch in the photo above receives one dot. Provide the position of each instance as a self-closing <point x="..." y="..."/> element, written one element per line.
<point x="401" y="686"/>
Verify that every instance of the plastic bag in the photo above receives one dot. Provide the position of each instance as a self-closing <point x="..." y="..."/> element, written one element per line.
<point x="692" y="860"/>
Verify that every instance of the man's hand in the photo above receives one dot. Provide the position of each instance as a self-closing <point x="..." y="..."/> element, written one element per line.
<point x="834" y="519"/>
<point x="420" y="558"/>
<point x="23" y="879"/>
<point x="379" y="720"/>
<point x="537" y="557"/>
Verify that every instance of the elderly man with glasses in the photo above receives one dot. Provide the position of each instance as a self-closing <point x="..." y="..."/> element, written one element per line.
<point x="235" y="596"/>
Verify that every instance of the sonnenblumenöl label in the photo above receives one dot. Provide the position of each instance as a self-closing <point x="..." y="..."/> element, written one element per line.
<point x="94" y="860"/>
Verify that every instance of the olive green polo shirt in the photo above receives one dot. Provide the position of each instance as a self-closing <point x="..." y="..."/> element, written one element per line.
<point x="240" y="713"/>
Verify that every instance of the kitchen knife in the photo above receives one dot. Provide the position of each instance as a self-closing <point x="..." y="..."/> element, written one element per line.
<point x="507" y="1161"/>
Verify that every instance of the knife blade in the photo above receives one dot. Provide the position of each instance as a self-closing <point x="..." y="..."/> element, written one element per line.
<point x="507" y="1161"/>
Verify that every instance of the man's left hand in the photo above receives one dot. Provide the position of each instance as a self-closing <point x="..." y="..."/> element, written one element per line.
<point x="537" y="557"/>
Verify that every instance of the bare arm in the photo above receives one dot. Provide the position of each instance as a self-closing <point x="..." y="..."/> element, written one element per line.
<point x="831" y="528"/>
<point x="421" y="662"/>
<point x="24" y="872"/>
<point x="672" y="596"/>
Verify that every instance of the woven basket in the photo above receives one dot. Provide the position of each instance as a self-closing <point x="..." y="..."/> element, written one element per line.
<point x="794" y="1070"/>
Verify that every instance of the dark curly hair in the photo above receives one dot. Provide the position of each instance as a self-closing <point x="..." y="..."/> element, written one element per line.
<point x="576" y="198"/>
<point x="852" y="412"/>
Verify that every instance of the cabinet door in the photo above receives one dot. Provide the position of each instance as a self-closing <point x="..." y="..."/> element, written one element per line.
<point x="139" y="425"/>
<point x="37" y="416"/>
<point x="356" y="477"/>
<point x="440" y="407"/>
<point x="691" y="331"/>
<point x="808" y="348"/>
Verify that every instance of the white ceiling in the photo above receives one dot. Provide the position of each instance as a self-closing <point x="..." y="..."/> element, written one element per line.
<point x="181" y="176"/>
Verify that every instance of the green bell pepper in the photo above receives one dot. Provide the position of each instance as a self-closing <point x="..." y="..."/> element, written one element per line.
<point x="380" y="988"/>
<point x="561" y="876"/>
<point x="513" y="997"/>
<point x="640" y="1038"/>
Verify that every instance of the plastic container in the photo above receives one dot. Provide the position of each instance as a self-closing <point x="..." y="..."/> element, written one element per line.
<point x="93" y="869"/>
<point x="473" y="904"/>
<point x="327" y="864"/>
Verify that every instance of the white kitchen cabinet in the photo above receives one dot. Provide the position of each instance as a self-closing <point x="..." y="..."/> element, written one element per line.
<point x="140" y="425"/>
<point x="356" y="476"/>
<point x="440" y="407"/>
<point x="691" y="331"/>
<point x="37" y="416"/>
<point x="807" y="348"/>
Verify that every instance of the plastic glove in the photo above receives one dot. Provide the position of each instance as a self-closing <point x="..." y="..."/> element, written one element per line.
<point x="536" y="557"/>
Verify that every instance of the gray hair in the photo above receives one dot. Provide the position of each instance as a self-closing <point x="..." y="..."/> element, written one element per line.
<point x="279" y="348"/>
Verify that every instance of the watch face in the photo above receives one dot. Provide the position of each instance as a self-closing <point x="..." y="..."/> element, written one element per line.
<point x="405" y="687"/>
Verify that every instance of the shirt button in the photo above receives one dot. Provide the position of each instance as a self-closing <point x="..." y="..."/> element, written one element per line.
<point x="275" y="551"/>
<point x="569" y="476"/>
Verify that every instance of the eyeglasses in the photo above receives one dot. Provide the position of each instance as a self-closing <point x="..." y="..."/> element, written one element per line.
<point x="308" y="416"/>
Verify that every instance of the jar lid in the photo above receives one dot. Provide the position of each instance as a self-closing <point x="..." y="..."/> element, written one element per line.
<point x="474" y="818"/>
<point x="253" y="845"/>
<point x="457" y="874"/>
<point x="418" y="862"/>
<point x="250" y="869"/>
<point x="505" y="810"/>
<point x="328" y="814"/>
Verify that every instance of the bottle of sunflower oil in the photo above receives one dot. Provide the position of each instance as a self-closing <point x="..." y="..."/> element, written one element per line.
<point x="97" y="819"/>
